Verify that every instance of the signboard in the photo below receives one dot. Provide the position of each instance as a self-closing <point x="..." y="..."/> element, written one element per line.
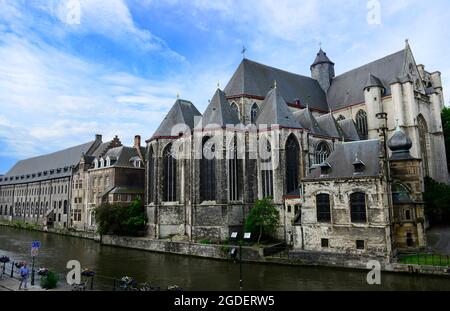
<point x="247" y="235"/>
<point x="35" y="245"/>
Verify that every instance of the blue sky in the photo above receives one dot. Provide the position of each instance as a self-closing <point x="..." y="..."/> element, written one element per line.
<point x="118" y="70"/>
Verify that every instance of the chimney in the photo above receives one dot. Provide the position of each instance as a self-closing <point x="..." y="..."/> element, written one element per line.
<point x="137" y="141"/>
<point x="98" y="137"/>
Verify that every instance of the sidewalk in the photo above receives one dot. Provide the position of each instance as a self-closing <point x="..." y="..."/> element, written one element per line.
<point x="12" y="284"/>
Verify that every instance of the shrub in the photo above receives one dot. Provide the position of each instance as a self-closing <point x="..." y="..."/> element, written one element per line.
<point x="49" y="281"/>
<point x="121" y="219"/>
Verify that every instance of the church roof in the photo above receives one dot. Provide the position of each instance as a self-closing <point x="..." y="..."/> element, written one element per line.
<point x="219" y="112"/>
<point x="308" y="121"/>
<point x="182" y="112"/>
<point x="348" y="126"/>
<point x="254" y="79"/>
<point x="275" y="111"/>
<point x="347" y="89"/>
<point x="341" y="162"/>
<point x="329" y="124"/>
<point x="322" y="58"/>
<point x="54" y="165"/>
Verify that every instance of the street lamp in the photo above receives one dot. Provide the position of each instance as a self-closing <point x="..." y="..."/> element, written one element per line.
<point x="234" y="238"/>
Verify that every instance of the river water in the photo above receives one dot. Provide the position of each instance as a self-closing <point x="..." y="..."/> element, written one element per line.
<point x="194" y="273"/>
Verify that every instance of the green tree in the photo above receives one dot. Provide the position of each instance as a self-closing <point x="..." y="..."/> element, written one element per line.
<point x="263" y="218"/>
<point x="49" y="281"/>
<point x="437" y="201"/>
<point x="446" y="129"/>
<point x="121" y="219"/>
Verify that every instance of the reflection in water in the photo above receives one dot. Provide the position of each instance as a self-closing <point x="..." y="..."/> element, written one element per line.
<point x="194" y="273"/>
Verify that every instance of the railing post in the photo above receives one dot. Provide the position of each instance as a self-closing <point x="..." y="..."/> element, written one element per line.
<point x="92" y="283"/>
<point x="114" y="284"/>
<point x="12" y="269"/>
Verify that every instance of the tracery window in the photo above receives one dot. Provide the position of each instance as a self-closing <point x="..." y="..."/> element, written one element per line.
<point x="208" y="170"/>
<point x="361" y="124"/>
<point x="321" y="153"/>
<point x="292" y="164"/>
<point x="170" y="175"/>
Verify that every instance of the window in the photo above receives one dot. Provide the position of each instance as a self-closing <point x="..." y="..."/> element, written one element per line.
<point x="322" y="153"/>
<point x="361" y="124"/>
<point x="151" y="177"/>
<point x="235" y="108"/>
<point x="208" y="171"/>
<point x="95" y="163"/>
<point x="292" y="164"/>
<point x="108" y="161"/>
<point x="102" y="162"/>
<point x="170" y="175"/>
<point x="325" y="243"/>
<point x="423" y="132"/>
<point x="234" y="172"/>
<point x="358" y="207"/>
<point x="360" y="244"/>
<point x="408" y="214"/>
<point x="323" y="208"/>
<point x="254" y="113"/>
<point x="267" y="170"/>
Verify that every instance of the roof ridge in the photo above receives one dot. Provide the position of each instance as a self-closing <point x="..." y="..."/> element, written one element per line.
<point x="367" y="64"/>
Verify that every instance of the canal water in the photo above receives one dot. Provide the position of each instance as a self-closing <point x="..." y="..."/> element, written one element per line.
<point x="194" y="273"/>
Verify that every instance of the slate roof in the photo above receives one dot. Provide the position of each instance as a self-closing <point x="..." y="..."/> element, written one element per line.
<point x="400" y="145"/>
<point x="55" y="165"/>
<point x="347" y="89"/>
<point x="348" y="126"/>
<point x="330" y="126"/>
<point x="373" y="81"/>
<point x="123" y="156"/>
<point x="219" y="112"/>
<point x="182" y="112"/>
<point x="344" y="156"/>
<point x="254" y="79"/>
<point x="322" y="58"/>
<point x="275" y="111"/>
<point x="308" y="121"/>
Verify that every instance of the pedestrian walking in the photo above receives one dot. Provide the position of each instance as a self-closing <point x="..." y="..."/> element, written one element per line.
<point x="24" y="272"/>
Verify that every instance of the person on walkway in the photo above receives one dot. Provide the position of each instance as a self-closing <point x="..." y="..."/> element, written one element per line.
<point x="24" y="272"/>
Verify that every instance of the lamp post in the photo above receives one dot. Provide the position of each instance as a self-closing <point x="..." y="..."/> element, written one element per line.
<point x="382" y="116"/>
<point x="234" y="238"/>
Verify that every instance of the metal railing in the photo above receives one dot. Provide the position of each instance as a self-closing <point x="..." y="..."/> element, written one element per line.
<point x="424" y="259"/>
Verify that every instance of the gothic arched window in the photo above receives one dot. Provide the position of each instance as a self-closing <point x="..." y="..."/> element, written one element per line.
<point x="292" y="164"/>
<point x="235" y="108"/>
<point x="361" y="124"/>
<point x="323" y="207"/>
<point x="170" y="175"/>
<point x="358" y="207"/>
<point x="208" y="171"/>
<point x="234" y="172"/>
<point x="321" y="153"/>
<point x="151" y="175"/>
<point x="254" y="113"/>
<point x="266" y="169"/>
<point x="423" y="132"/>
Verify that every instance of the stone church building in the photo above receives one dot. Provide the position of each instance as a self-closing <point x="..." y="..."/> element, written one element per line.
<point x="356" y="146"/>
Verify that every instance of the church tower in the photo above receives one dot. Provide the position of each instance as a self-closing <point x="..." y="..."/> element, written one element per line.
<point x="322" y="70"/>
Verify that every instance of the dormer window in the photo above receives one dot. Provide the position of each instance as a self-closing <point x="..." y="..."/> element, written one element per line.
<point x="137" y="163"/>
<point x="358" y="166"/>
<point x="95" y="163"/>
<point x="102" y="162"/>
<point x="325" y="169"/>
<point x="108" y="161"/>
